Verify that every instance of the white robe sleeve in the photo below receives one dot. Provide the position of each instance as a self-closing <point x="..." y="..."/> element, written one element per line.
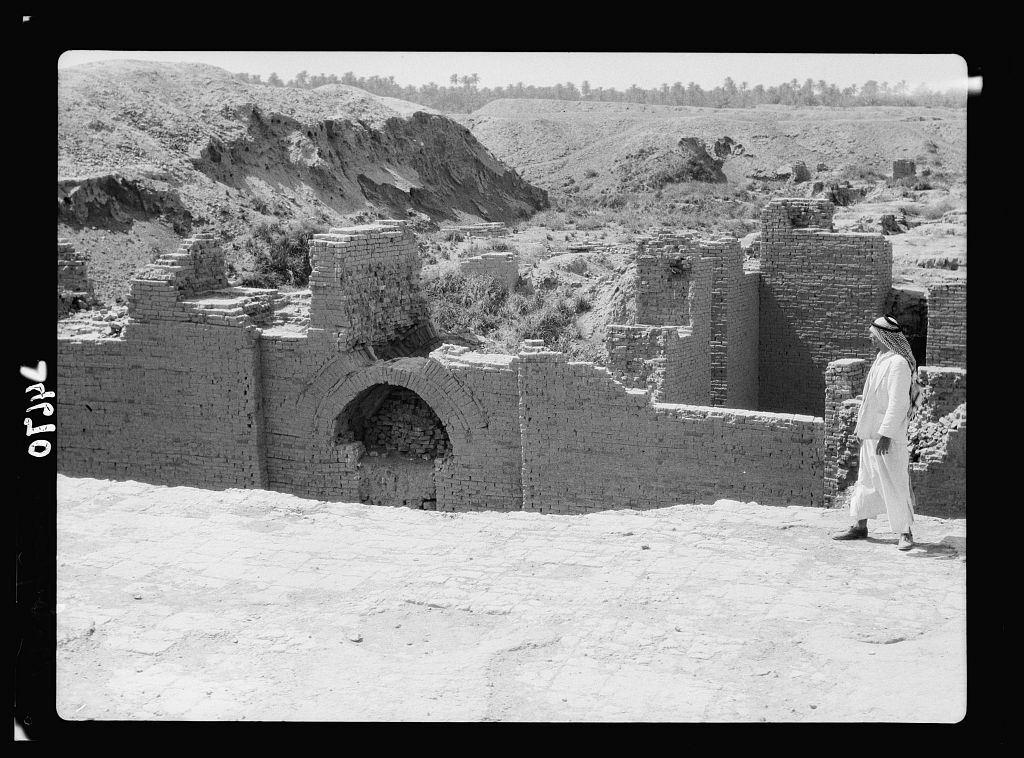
<point x="897" y="386"/>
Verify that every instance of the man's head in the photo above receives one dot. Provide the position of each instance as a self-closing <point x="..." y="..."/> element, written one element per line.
<point x="883" y="332"/>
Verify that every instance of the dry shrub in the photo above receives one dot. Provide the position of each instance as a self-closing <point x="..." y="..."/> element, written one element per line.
<point x="936" y="209"/>
<point x="476" y="304"/>
<point x="280" y="253"/>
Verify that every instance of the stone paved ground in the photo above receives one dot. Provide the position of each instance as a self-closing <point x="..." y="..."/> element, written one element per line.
<point x="188" y="604"/>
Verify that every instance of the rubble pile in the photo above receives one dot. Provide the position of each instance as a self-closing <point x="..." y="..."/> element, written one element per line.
<point x="405" y="424"/>
<point x="928" y="438"/>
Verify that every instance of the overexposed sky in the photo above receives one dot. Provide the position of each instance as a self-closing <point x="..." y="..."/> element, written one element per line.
<point x="618" y="70"/>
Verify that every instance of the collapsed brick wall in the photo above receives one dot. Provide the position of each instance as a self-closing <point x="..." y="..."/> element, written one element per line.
<point x="665" y="281"/>
<point x="938" y="468"/>
<point x="404" y="424"/>
<point x="196" y="266"/>
<point x="638" y="355"/>
<point x="72" y="271"/>
<point x="190" y="284"/>
<point x="947" y="325"/>
<point x="515" y="429"/>
<point x="819" y="293"/>
<point x="591" y="444"/>
<point x="175" y="403"/>
<point x="844" y="381"/>
<point x="940" y="486"/>
<point x="178" y="397"/>
<point x="503" y="268"/>
<point x="486" y="229"/>
<point x="365" y="285"/>
<point x="669" y="349"/>
<point x="74" y="288"/>
<point x="937" y="437"/>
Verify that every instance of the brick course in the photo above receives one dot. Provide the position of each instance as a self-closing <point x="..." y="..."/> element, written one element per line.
<point x="947" y="325"/>
<point x="820" y="291"/>
<point x="590" y="443"/>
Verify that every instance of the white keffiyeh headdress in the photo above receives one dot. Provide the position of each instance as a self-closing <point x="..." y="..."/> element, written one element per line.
<point x="889" y="331"/>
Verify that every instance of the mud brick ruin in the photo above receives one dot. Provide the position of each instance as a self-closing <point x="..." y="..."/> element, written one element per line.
<point x="753" y="339"/>
<point x="486" y="230"/>
<point x="733" y="383"/>
<point x="903" y="169"/>
<point x="74" y="289"/>
<point x="947" y="320"/>
<point x="502" y="268"/>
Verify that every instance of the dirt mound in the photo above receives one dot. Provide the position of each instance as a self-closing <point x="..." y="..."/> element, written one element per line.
<point x="653" y="167"/>
<point x="190" y="146"/>
<point x="551" y="142"/>
<point x="111" y="200"/>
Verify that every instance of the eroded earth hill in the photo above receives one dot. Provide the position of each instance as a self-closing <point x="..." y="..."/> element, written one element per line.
<point x="595" y="147"/>
<point x="150" y="151"/>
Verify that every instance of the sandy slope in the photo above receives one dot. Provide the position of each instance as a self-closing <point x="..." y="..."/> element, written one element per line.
<point x="552" y="141"/>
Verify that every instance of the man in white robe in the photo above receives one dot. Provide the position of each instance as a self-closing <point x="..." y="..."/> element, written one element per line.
<point x="890" y="397"/>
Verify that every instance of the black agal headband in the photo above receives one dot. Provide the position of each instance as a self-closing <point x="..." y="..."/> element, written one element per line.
<point x="887" y="324"/>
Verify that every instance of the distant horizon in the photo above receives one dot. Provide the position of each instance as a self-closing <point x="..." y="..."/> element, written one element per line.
<point x="936" y="72"/>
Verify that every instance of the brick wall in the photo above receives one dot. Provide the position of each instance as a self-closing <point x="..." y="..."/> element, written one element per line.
<point x="190" y="284"/>
<point x="939" y="434"/>
<point x="743" y="340"/>
<point x="177" y="403"/>
<point x="365" y="284"/>
<point x="204" y="388"/>
<point x="937" y="437"/>
<point x="669" y="349"/>
<point x="196" y="266"/>
<point x="486" y="229"/>
<point x="636" y="354"/>
<point x="947" y="325"/>
<point x="590" y="444"/>
<point x="819" y="293"/>
<point x="485" y="474"/>
<point x="666" y="280"/>
<point x="503" y="268"/>
<point x="72" y="271"/>
<point x="289" y="365"/>
<point x="734" y="326"/>
<point x="177" y="399"/>
<point x="844" y="381"/>
<point x="695" y="340"/>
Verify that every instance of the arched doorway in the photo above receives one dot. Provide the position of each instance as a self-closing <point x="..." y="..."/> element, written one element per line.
<point x="403" y="439"/>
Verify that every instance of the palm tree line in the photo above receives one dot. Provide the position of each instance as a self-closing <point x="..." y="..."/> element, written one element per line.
<point x="462" y="93"/>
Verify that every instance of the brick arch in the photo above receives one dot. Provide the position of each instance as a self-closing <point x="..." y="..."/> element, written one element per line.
<point x="458" y="410"/>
